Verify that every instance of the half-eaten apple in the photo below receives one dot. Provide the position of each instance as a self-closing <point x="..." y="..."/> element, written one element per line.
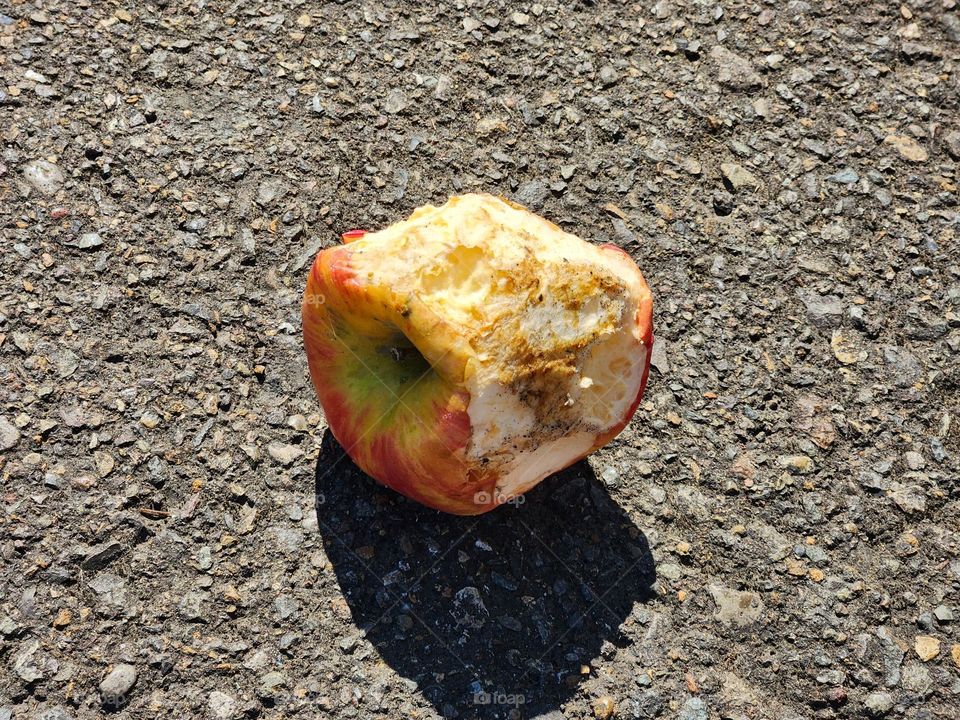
<point x="463" y="355"/>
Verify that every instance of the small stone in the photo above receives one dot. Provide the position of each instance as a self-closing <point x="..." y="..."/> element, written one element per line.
<point x="670" y="571"/>
<point x="665" y="211"/>
<point x="737" y="177"/>
<point x="878" y="704"/>
<point x="920" y="50"/>
<point x="46" y="425"/>
<point x="53" y="480"/>
<point x="298" y="423"/>
<point x="9" y="435"/>
<point x="442" y="90"/>
<point x="191" y="606"/>
<point x="195" y="225"/>
<point x="723" y="203"/>
<point x="115" y="688"/>
<point x="952" y="143"/>
<point x="693" y="709"/>
<point x="396" y="102"/>
<point x="183" y="327"/>
<point x="8" y="627"/>
<point x="149" y="419"/>
<point x="837" y="696"/>
<point x="104" y="462"/>
<point x="66" y="362"/>
<point x="904" y="368"/>
<point x="269" y="192"/>
<point x="926" y="647"/>
<point x="691" y="165"/>
<point x="604" y="707"/>
<point x="610" y="475"/>
<point x="800" y="464"/>
<point x="27" y="667"/>
<point x="608" y="76"/>
<point x="659" y="359"/>
<point x="916" y="678"/>
<point x="471" y="23"/>
<point x="270" y="683"/>
<point x="955" y="654"/>
<point x="99" y="556"/>
<point x="532" y="194"/>
<point x="743" y="466"/>
<point x="735" y="607"/>
<point x="845" y="348"/>
<point x="63" y="618"/>
<point x="908" y="148"/>
<point x="909" y="498"/>
<point x="490" y="124"/>
<point x="89" y="241"/>
<point x="286" y="606"/>
<point x="847" y="176"/>
<point x="348" y="643"/>
<point x="734" y="71"/>
<point x="823" y="311"/>
<point x="284" y="454"/>
<point x="520" y="18"/>
<point x="222" y="706"/>
<point x="813" y="418"/>
<point x="468" y="608"/>
<point x="943" y="614"/>
<point x="914" y="460"/>
<point x="44" y="176"/>
<point x="817" y="148"/>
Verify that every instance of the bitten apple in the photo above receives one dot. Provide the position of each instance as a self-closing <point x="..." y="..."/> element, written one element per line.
<point x="463" y="355"/>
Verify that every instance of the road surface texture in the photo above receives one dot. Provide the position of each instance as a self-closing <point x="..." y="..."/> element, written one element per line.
<point x="774" y="536"/>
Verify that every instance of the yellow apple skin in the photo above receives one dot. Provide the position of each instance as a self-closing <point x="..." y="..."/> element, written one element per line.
<point x="451" y="352"/>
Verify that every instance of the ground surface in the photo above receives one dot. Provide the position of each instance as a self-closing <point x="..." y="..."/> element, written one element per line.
<point x="774" y="536"/>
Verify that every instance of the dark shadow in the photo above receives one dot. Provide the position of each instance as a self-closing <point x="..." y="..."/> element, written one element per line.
<point x="489" y="613"/>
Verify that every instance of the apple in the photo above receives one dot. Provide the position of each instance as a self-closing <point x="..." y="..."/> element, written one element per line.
<point x="466" y="353"/>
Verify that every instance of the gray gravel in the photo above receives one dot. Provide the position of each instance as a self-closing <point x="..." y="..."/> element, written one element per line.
<point x="774" y="536"/>
<point x="116" y="686"/>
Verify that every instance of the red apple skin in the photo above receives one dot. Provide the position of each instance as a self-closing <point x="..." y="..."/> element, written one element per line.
<point x="415" y="445"/>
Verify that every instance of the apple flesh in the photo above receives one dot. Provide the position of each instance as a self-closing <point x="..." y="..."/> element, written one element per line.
<point x="463" y="355"/>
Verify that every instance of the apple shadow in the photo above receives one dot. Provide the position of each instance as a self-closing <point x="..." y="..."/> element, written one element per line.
<point x="487" y="615"/>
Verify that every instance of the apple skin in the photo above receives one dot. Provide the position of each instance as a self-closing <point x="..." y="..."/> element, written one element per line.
<point x="412" y="437"/>
<point x="402" y="423"/>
